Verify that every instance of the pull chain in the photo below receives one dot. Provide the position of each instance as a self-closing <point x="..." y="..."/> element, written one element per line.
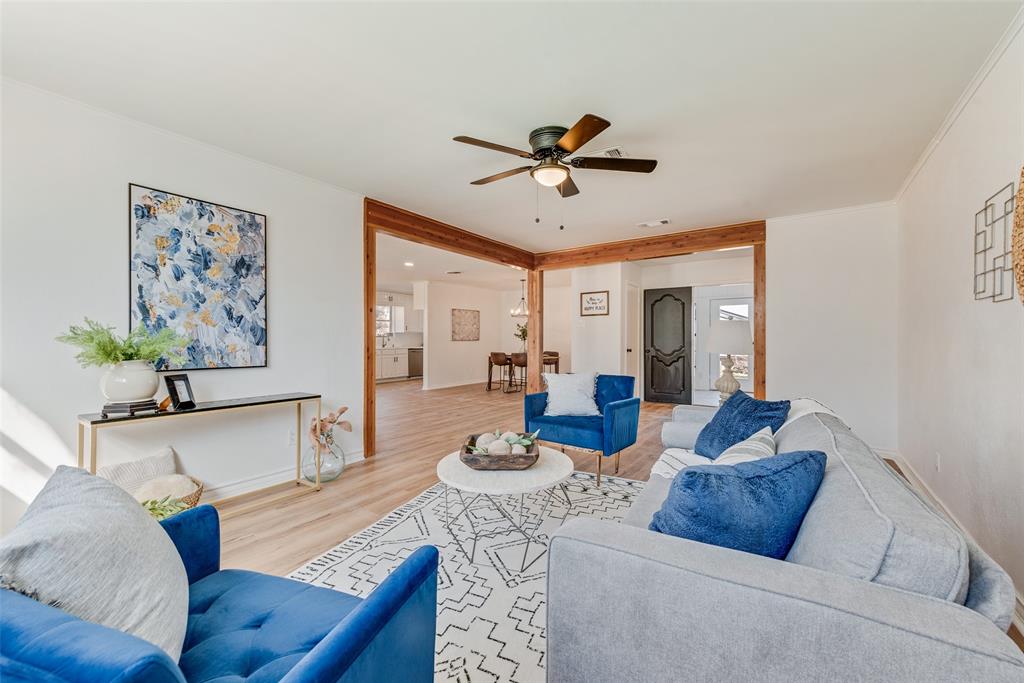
<point x="536" y="213"/>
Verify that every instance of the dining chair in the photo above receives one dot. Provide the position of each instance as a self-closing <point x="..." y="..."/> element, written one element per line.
<point x="551" y="360"/>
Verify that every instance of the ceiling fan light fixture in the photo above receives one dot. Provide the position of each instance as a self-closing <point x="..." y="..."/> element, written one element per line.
<point x="549" y="173"/>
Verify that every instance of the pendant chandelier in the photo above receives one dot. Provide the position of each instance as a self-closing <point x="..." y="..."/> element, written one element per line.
<point x="521" y="311"/>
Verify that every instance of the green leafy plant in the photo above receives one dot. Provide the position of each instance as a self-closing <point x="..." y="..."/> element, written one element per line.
<point x="165" y="507"/>
<point x="520" y="332"/>
<point x="100" y="346"/>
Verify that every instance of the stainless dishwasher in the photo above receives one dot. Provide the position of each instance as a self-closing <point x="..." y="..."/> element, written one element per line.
<point x="415" y="362"/>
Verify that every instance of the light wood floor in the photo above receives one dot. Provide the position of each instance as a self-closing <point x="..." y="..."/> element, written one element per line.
<point x="279" y="529"/>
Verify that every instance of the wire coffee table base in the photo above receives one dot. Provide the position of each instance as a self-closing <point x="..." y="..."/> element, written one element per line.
<point x="522" y="524"/>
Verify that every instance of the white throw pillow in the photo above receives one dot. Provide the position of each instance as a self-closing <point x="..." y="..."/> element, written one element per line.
<point x="130" y="475"/>
<point x="86" y="546"/>
<point x="755" y="447"/>
<point x="571" y="394"/>
<point x="173" y="485"/>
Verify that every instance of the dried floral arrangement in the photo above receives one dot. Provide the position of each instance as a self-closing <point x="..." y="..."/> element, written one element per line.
<point x="322" y="431"/>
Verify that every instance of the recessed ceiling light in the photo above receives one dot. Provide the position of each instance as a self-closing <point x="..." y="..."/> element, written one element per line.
<point x="408" y="264"/>
<point x="453" y="272"/>
<point x="654" y="224"/>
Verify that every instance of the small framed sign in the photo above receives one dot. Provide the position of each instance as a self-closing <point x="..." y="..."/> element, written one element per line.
<point x="180" y="391"/>
<point x="594" y="303"/>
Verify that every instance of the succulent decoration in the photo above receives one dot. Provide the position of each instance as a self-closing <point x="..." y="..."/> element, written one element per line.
<point x="503" y="443"/>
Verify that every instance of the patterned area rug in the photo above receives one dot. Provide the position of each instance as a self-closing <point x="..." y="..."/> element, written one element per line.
<point x="490" y="615"/>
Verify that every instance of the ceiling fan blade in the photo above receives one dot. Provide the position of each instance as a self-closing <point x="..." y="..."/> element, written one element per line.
<point x="611" y="164"/>
<point x="491" y="145"/>
<point x="585" y="130"/>
<point x="568" y="188"/>
<point x="499" y="176"/>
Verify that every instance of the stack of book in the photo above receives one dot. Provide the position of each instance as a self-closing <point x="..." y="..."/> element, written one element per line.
<point x="130" y="408"/>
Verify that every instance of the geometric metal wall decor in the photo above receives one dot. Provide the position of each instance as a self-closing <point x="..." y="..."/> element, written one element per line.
<point x="1018" y="236"/>
<point x="993" y="248"/>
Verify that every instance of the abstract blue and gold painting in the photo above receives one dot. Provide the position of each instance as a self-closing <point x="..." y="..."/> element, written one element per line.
<point x="200" y="269"/>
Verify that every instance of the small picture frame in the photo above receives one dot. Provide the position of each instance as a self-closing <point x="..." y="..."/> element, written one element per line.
<point x="594" y="303"/>
<point x="180" y="391"/>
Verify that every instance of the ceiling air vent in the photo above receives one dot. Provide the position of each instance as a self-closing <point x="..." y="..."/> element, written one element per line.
<point x="654" y="224"/>
<point x="610" y="152"/>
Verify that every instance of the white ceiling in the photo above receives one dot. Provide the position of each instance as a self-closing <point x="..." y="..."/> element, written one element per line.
<point x="753" y="110"/>
<point x="433" y="264"/>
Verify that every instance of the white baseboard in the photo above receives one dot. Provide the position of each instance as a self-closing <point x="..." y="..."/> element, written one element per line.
<point x="261" y="481"/>
<point x="918" y="483"/>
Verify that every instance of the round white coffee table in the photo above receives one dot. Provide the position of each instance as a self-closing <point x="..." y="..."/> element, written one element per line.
<point x="549" y="473"/>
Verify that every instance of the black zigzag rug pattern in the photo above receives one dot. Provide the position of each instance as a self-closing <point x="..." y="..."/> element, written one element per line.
<point x="490" y="615"/>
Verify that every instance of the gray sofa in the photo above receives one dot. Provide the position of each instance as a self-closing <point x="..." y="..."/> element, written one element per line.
<point x="878" y="586"/>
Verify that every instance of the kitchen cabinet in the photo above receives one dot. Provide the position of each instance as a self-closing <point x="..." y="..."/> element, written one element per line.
<point x="392" y="363"/>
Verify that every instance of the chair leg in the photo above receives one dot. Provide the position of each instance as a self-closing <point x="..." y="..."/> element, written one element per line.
<point x="617" y="461"/>
<point x="599" y="456"/>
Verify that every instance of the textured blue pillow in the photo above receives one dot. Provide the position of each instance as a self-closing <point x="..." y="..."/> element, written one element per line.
<point x="739" y="418"/>
<point x="756" y="507"/>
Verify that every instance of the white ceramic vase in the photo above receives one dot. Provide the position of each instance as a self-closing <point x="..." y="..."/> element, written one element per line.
<point x="130" y="380"/>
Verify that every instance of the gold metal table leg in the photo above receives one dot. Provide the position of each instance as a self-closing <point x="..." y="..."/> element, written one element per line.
<point x="92" y="449"/>
<point x="81" y="444"/>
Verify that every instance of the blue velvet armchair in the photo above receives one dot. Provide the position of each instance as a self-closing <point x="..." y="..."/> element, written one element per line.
<point x="607" y="434"/>
<point x="242" y="626"/>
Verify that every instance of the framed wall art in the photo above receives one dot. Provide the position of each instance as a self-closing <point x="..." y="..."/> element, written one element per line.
<point x="594" y="303"/>
<point x="465" y="324"/>
<point x="199" y="268"/>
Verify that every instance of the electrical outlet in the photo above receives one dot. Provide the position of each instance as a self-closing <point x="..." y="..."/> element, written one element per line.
<point x="938" y="461"/>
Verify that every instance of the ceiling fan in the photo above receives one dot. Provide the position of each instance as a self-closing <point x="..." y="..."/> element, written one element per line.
<point x="551" y="146"/>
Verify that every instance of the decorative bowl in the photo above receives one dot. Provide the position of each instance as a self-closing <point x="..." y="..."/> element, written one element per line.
<point x="512" y="461"/>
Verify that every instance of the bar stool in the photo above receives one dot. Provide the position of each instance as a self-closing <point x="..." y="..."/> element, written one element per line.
<point x="518" y="363"/>
<point x="551" y="360"/>
<point x="502" y="361"/>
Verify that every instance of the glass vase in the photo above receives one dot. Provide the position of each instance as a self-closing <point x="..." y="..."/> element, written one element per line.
<point x="332" y="462"/>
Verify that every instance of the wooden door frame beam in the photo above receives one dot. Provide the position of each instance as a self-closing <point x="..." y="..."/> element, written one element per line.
<point x="379" y="217"/>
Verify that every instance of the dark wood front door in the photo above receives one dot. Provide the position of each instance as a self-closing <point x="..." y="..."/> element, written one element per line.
<point x="667" y="341"/>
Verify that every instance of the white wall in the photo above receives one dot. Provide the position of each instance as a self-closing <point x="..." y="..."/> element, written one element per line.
<point x="65" y="245"/>
<point x="597" y="340"/>
<point x="831" y="314"/>
<point x="448" y="363"/>
<point x="557" y="323"/>
<point x="961" y="361"/>
<point x="719" y="271"/>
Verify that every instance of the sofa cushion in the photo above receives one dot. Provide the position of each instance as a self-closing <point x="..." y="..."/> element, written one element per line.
<point x="648" y="502"/>
<point x="754" y="506"/>
<point x="866" y="522"/>
<point x="739" y="418"/>
<point x="244" y="626"/>
<point x="86" y="546"/>
<point x="584" y="431"/>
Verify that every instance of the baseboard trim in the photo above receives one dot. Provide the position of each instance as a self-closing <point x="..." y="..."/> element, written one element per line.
<point x="262" y="481"/>
<point x="918" y="483"/>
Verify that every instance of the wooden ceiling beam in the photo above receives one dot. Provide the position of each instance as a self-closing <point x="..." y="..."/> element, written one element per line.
<point x="655" y="246"/>
<point x="411" y="226"/>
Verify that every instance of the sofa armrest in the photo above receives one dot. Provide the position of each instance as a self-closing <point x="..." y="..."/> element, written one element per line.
<point x="389" y="637"/>
<point x="621" y="421"/>
<point x="533" y="406"/>
<point x="196" y="535"/>
<point x="689" y="611"/>
<point x="687" y="423"/>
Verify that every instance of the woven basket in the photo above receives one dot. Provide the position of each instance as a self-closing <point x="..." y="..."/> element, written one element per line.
<point x="192" y="499"/>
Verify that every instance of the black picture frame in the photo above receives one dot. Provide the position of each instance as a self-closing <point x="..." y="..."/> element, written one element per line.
<point x="175" y="385"/>
<point x="266" y="261"/>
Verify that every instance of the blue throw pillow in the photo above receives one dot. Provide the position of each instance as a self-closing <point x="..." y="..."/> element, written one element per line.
<point x="756" y="506"/>
<point x="739" y="418"/>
